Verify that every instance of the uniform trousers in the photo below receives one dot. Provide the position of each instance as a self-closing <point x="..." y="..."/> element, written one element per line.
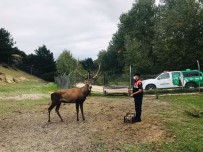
<point x="138" y="107"/>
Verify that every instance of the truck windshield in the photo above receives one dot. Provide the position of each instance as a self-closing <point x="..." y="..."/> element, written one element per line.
<point x="164" y="76"/>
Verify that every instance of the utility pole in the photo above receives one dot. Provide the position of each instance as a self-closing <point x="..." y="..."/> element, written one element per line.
<point x="199" y="73"/>
<point x="130" y="75"/>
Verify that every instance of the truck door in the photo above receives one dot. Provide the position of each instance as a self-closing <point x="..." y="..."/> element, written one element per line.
<point x="164" y="80"/>
<point x="176" y="76"/>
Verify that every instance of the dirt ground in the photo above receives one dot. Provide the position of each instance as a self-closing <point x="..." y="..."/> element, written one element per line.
<point x="103" y="129"/>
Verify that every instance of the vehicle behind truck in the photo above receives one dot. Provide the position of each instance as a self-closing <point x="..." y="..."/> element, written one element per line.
<point x="175" y="79"/>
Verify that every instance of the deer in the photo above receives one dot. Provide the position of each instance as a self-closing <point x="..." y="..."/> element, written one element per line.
<point x="73" y="95"/>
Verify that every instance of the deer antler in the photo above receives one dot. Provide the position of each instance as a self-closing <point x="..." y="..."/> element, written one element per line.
<point x="96" y="75"/>
<point x="79" y="72"/>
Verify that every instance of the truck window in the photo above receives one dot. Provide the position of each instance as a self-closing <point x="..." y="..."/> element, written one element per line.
<point x="176" y="73"/>
<point x="191" y="74"/>
<point x="164" y="76"/>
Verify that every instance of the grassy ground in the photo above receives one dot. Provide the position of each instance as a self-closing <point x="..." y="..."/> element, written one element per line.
<point x="182" y="117"/>
<point x="184" y="123"/>
<point x="26" y="88"/>
<point x="14" y="91"/>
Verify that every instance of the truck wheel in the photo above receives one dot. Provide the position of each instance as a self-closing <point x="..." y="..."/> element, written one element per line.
<point x="190" y="85"/>
<point x="150" y="87"/>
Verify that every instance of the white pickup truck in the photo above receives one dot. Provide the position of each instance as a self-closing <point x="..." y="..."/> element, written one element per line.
<point x="163" y="80"/>
<point x="174" y="79"/>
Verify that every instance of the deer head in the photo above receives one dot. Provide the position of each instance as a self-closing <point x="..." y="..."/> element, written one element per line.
<point x="89" y="79"/>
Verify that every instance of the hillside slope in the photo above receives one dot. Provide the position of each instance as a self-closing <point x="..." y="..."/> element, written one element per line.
<point x="13" y="75"/>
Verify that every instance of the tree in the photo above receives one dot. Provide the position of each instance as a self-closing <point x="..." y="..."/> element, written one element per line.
<point x="44" y="60"/>
<point x="65" y="63"/>
<point x="138" y="28"/>
<point x="42" y="63"/>
<point x="179" y="35"/>
<point x="103" y="58"/>
<point x="88" y="64"/>
<point x="155" y="38"/>
<point x="6" y="45"/>
<point x="112" y="60"/>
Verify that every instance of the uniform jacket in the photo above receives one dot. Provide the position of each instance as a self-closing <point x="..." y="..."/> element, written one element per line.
<point x="136" y="86"/>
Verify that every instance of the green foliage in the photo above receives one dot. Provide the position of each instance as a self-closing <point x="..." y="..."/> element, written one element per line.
<point x="44" y="60"/>
<point x="88" y="64"/>
<point x="9" y="54"/>
<point x="65" y="63"/>
<point x="150" y="38"/>
<point x="179" y="35"/>
<point x="155" y="38"/>
<point x="112" y="60"/>
<point x="139" y="36"/>
<point x="42" y="63"/>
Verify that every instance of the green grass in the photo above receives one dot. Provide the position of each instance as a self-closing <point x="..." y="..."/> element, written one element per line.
<point x="185" y="130"/>
<point x="26" y="88"/>
<point x="16" y="73"/>
<point x="172" y="91"/>
<point x="30" y="84"/>
<point x="9" y="90"/>
<point x="138" y="148"/>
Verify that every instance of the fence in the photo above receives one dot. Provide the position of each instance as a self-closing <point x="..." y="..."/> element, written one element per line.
<point x="63" y="81"/>
<point x="116" y="81"/>
<point x="104" y="79"/>
<point x="109" y="79"/>
<point x="67" y="81"/>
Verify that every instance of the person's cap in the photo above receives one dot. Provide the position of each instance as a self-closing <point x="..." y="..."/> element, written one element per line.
<point x="137" y="74"/>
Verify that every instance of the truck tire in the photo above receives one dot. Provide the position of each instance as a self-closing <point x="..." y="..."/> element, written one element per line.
<point x="191" y="85"/>
<point x="150" y="87"/>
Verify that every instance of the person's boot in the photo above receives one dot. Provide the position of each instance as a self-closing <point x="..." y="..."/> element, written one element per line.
<point x="136" y="119"/>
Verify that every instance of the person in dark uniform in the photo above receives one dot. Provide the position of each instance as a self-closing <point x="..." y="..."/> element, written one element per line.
<point x="137" y="94"/>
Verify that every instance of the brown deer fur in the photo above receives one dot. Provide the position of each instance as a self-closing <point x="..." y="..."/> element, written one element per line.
<point x="75" y="95"/>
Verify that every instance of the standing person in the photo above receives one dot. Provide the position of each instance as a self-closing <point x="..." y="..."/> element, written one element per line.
<point x="137" y="94"/>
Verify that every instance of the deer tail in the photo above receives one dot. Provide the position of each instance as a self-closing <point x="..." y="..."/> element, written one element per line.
<point x="55" y="97"/>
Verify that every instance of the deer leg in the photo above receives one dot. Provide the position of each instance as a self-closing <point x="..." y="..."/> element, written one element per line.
<point x="49" y="110"/>
<point x="81" y="109"/>
<point x="77" y="109"/>
<point x="57" y="111"/>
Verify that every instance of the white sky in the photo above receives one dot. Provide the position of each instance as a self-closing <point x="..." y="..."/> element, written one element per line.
<point x="82" y="26"/>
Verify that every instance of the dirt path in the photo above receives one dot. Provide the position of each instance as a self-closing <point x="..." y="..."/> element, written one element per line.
<point x="103" y="129"/>
<point x="25" y="96"/>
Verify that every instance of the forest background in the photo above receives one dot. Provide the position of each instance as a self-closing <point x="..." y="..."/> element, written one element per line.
<point x="151" y="38"/>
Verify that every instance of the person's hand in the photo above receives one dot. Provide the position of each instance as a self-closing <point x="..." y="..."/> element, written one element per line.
<point x="132" y="95"/>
